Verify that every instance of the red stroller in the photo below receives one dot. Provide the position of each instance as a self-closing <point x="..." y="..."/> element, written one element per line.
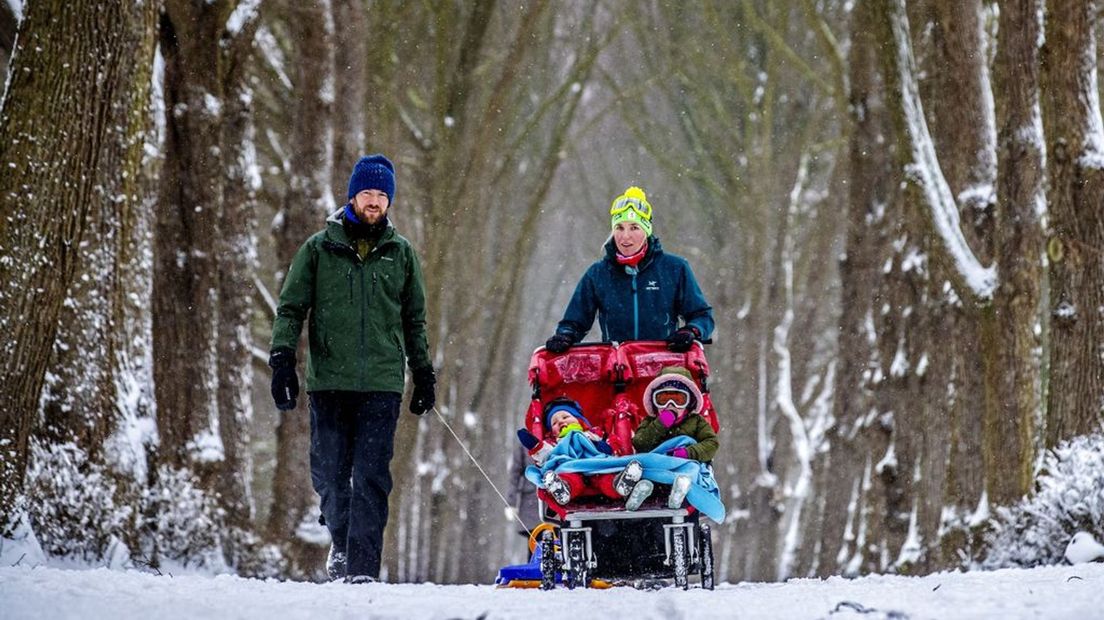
<point x="599" y="539"/>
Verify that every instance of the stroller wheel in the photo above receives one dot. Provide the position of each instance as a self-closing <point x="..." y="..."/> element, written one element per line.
<point x="705" y="551"/>
<point x="577" y="574"/>
<point x="680" y="558"/>
<point x="548" y="560"/>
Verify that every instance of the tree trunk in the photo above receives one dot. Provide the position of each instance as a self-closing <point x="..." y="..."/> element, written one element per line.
<point x="1012" y="370"/>
<point x="306" y="204"/>
<point x="964" y="136"/>
<point x="186" y="273"/>
<point x="73" y="114"/>
<point x="860" y="271"/>
<point x="237" y="265"/>
<point x="351" y="88"/>
<point x="1075" y="155"/>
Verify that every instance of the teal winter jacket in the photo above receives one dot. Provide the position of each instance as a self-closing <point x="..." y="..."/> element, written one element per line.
<point x="645" y="303"/>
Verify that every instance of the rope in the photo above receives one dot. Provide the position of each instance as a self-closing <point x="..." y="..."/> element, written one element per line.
<point x="513" y="512"/>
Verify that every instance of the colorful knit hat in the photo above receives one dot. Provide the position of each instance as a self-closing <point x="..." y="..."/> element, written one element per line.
<point x="633" y="207"/>
<point x="674" y="376"/>
<point x="373" y="172"/>
<point x="563" y="403"/>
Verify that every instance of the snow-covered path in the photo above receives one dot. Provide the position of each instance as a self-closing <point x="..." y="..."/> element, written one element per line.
<point x="1049" y="592"/>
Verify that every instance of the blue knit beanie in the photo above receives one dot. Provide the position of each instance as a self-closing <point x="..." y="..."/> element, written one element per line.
<point x="373" y="172"/>
<point x="567" y="405"/>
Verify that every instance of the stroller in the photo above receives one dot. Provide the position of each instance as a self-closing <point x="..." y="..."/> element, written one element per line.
<point x="600" y="542"/>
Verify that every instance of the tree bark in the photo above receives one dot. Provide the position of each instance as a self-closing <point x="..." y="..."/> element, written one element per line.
<point x="351" y="50"/>
<point x="964" y="134"/>
<point x="305" y="206"/>
<point x="186" y="274"/>
<point x="237" y="268"/>
<point x="1075" y="202"/>
<point x="1012" y="373"/>
<point x="860" y="269"/>
<point x="72" y="119"/>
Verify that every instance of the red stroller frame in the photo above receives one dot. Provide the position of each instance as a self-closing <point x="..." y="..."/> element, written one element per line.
<point x="599" y="539"/>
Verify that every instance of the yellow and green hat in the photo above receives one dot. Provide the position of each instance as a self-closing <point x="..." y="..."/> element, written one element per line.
<point x="632" y="206"/>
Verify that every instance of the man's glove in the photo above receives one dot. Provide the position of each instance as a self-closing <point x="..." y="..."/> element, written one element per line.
<point x="424" y="397"/>
<point x="680" y="453"/>
<point x="285" y="383"/>
<point x="558" y="343"/>
<point x="682" y="339"/>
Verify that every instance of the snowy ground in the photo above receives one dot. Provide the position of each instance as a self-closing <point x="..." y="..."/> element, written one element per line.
<point x="1049" y="592"/>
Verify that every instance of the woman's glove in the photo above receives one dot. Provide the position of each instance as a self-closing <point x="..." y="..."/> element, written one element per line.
<point x="558" y="343"/>
<point x="682" y="339"/>
<point x="424" y="396"/>
<point x="285" y="383"/>
<point x="680" y="453"/>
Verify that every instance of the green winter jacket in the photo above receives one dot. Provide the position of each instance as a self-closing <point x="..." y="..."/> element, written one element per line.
<point x="365" y="316"/>
<point x="651" y="433"/>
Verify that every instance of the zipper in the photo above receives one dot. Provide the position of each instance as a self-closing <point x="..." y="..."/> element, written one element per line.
<point x="363" y="328"/>
<point x="349" y="280"/>
<point x="636" y="309"/>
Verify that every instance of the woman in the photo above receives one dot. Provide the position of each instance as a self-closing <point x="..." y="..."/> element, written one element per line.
<point x="638" y="291"/>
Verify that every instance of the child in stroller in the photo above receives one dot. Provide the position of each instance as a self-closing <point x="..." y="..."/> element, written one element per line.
<point x="563" y="416"/>
<point x="673" y="403"/>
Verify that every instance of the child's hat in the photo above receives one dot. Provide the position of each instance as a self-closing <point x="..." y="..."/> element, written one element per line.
<point x="674" y="376"/>
<point x="633" y="207"/>
<point x="563" y="403"/>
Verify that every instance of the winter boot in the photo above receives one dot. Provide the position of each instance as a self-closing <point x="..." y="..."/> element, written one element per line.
<point x="557" y="488"/>
<point x="624" y="482"/>
<point x="639" y="493"/>
<point x="335" y="563"/>
<point x="679" y="488"/>
<point x="360" y="579"/>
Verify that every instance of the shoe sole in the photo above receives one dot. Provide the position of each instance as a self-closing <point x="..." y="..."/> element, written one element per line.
<point x="679" y="489"/>
<point x="640" y="492"/>
<point x="628" y="478"/>
<point x="557" y="488"/>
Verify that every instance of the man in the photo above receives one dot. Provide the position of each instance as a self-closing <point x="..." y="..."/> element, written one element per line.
<point x="359" y="283"/>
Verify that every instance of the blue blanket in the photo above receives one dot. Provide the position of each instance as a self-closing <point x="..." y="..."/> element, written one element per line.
<point x="577" y="453"/>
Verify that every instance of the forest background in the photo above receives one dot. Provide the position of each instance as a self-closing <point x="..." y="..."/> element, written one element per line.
<point x="894" y="209"/>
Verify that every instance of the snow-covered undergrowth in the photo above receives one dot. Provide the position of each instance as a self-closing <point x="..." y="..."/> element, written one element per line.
<point x="83" y="511"/>
<point x="77" y="507"/>
<point x="1069" y="498"/>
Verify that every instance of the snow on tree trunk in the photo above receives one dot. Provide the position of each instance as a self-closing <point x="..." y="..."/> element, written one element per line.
<point x="70" y="146"/>
<point x="964" y="135"/>
<point x="1075" y="204"/>
<point x="922" y="165"/>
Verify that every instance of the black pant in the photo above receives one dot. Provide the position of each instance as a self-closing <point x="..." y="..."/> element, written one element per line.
<point x="352" y="440"/>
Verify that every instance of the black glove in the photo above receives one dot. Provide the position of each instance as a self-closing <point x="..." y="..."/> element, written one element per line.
<point x="423" y="398"/>
<point x="682" y="339"/>
<point x="558" y="343"/>
<point x="285" y="383"/>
